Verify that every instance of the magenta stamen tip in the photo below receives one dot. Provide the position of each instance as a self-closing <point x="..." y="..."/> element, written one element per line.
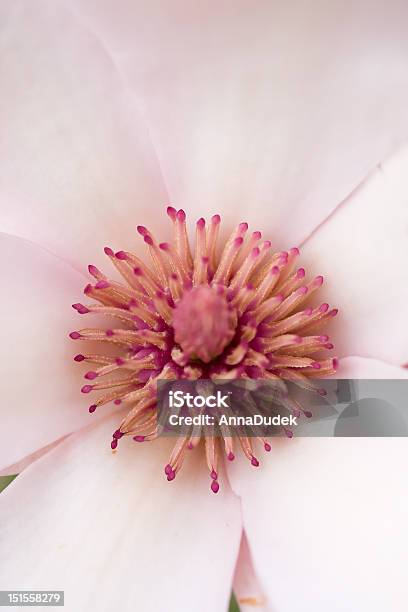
<point x="172" y="212"/>
<point x="329" y="346"/>
<point x="142" y="230"/>
<point x="214" y="475"/>
<point x="108" y="251"/>
<point x="109" y="332"/>
<point x="323" y="338"/>
<point x="92" y="408"/>
<point x="102" y="284"/>
<point x="308" y="311"/>
<point x="79" y="357"/>
<point x="243" y="227"/>
<point x="334" y="312"/>
<point x="294" y="251"/>
<point x="117" y="402"/>
<point x="87" y="288"/>
<point x="181" y="215"/>
<point x="114" y="444"/>
<point x="335" y="363"/>
<point x="139" y="438"/>
<point x="117" y="435"/>
<point x="238" y="241"/>
<point x="168" y="469"/>
<point x="201" y="223"/>
<point x="275" y="270"/>
<point x="119" y="361"/>
<point x="74" y="335"/>
<point x="90" y="375"/>
<point x="324" y="308"/>
<point x="315" y="365"/>
<point x="216" y="219"/>
<point x="322" y="392"/>
<point x="80" y="308"/>
<point x="148" y="240"/>
<point x="254" y="462"/>
<point x="164" y="246"/>
<point x="301" y="273"/>
<point x="86" y="388"/>
<point x="319" y="280"/>
<point x="230" y="456"/>
<point x="303" y="290"/>
<point x="121" y="255"/>
<point x="171" y="476"/>
<point x="308" y="414"/>
<point x="93" y="270"/>
<point x="215" y="487"/>
<point x="267" y="447"/>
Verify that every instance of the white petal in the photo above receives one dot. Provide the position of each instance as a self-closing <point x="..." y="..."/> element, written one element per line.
<point x="40" y="398"/>
<point x="17" y="467"/>
<point x="77" y="167"/>
<point x="273" y="114"/>
<point x="325" y="519"/>
<point x="114" y="534"/>
<point x="247" y="590"/>
<point x="363" y="252"/>
<point x="357" y="367"/>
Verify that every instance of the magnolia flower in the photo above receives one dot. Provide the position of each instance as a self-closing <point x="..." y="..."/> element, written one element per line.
<point x="288" y="118"/>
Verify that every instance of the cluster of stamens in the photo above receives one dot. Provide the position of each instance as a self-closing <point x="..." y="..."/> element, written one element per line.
<point x="243" y="312"/>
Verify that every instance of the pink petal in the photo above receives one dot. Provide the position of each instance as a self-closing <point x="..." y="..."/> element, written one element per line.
<point x="363" y="251"/>
<point x="77" y="169"/>
<point x="357" y="367"/>
<point x="325" y="519"/>
<point x="19" y="466"/>
<point x="247" y="590"/>
<point x="40" y="399"/>
<point x="271" y="114"/>
<point x="114" y="534"/>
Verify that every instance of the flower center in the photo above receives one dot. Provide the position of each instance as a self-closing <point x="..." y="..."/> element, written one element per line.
<point x="204" y="322"/>
<point x="239" y="312"/>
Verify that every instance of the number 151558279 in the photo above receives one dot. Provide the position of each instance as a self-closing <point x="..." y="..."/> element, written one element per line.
<point x="31" y="598"/>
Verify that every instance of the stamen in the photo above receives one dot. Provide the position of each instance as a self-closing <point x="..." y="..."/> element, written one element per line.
<point x="240" y="314"/>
